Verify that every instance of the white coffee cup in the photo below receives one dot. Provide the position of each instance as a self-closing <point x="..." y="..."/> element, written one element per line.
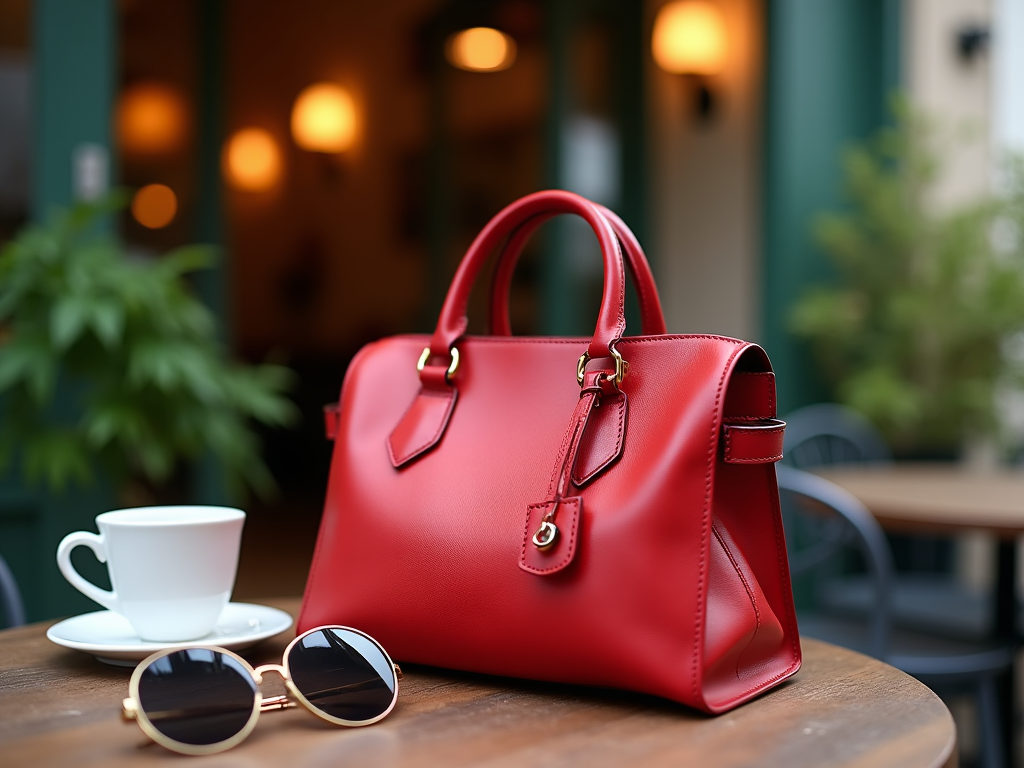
<point x="172" y="569"/>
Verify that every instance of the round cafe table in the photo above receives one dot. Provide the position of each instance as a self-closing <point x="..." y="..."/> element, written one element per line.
<point x="60" y="707"/>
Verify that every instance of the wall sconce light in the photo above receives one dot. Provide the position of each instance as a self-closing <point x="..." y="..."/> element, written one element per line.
<point x="324" y="119"/>
<point x="151" y="119"/>
<point x="481" y="49"/>
<point x="689" y="39"/>
<point x="972" y="40"/>
<point x="251" y="160"/>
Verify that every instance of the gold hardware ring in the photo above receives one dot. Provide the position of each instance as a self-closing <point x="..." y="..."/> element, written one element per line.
<point x="545" y="536"/>
<point x="452" y="367"/>
<point x="621" y="366"/>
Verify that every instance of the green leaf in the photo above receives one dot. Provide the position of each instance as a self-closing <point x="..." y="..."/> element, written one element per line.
<point x="108" y="320"/>
<point x="135" y="352"/>
<point x="27" y="360"/>
<point x="190" y="258"/>
<point x="153" y="361"/>
<point x="58" y="458"/>
<point x="105" y="422"/>
<point x="68" y="319"/>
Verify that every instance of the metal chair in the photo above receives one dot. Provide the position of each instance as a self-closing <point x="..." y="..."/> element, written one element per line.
<point x="10" y="596"/>
<point x="829" y="433"/>
<point x="926" y="593"/>
<point x="946" y="665"/>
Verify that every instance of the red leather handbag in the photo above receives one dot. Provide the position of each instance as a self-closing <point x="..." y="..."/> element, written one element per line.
<point x="600" y="511"/>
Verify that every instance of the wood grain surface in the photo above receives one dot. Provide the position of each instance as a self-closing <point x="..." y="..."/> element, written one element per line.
<point x="62" y="708"/>
<point x="937" y="497"/>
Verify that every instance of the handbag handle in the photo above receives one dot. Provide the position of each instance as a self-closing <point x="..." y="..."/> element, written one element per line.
<point x="611" y="321"/>
<point x="652" y="319"/>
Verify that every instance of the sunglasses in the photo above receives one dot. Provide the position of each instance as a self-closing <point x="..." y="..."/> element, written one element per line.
<point x="202" y="699"/>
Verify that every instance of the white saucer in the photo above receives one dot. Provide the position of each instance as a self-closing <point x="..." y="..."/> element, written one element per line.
<point x="110" y="638"/>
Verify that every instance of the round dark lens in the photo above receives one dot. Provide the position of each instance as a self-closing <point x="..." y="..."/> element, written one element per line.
<point x="343" y="674"/>
<point x="197" y="696"/>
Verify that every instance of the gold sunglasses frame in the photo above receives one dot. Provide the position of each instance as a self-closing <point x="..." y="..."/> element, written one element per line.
<point x="131" y="708"/>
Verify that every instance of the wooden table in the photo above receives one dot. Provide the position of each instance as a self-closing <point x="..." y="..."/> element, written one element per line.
<point x="937" y="497"/>
<point x="60" y="707"/>
<point x="950" y="499"/>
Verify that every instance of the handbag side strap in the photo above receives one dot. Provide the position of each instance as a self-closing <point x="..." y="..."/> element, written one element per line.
<point x="751" y="434"/>
<point x="753" y="443"/>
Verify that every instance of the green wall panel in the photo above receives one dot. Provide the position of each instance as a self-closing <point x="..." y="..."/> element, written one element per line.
<point x="830" y="69"/>
<point x="74" y="74"/>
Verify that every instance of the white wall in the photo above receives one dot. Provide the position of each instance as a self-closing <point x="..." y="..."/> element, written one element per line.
<point x="956" y="92"/>
<point x="706" y="187"/>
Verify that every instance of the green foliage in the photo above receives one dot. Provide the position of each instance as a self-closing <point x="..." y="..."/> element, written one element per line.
<point x="112" y="359"/>
<point x="929" y="300"/>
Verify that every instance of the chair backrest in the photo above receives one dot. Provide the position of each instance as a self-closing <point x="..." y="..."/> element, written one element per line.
<point x="10" y="597"/>
<point x="845" y="522"/>
<point x="829" y="433"/>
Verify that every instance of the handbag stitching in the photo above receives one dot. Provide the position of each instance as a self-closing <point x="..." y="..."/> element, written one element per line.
<point x="570" y="433"/>
<point x="437" y="433"/>
<point x="618" y="441"/>
<point x="701" y="573"/>
<point x="791" y="627"/>
<point x="758" y="460"/>
<point x="779" y="547"/>
<point x="746" y="586"/>
<point x="620" y="326"/>
<point x="582" y="340"/>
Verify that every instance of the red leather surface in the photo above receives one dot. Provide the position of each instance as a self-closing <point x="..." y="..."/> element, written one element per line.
<point x="751" y="396"/>
<point x="426" y="557"/>
<point x="422" y="426"/>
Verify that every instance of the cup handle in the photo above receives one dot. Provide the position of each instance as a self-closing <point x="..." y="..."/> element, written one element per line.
<point x="108" y="599"/>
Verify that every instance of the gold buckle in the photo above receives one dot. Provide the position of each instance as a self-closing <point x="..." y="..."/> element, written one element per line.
<point x="621" y="366"/>
<point x="452" y="367"/>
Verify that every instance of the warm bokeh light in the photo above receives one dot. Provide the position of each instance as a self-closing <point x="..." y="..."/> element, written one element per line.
<point x="154" y="206"/>
<point x="252" y="160"/>
<point x="150" y="119"/>
<point x="689" y="38"/>
<point x="324" y="119"/>
<point x="481" y="49"/>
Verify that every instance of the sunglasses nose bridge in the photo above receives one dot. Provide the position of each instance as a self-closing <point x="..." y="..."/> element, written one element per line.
<point x="260" y="671"/>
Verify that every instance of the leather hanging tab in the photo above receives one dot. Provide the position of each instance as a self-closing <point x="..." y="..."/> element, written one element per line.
<point x="558" y="554"/>
<point x="753" y="443"/>
<point x="424" y="423"/>
<point x="552" y="526"/>
<point x="603" y="437"/>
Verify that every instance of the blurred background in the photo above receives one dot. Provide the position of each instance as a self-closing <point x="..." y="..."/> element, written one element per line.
<point x="342" y="155"/>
